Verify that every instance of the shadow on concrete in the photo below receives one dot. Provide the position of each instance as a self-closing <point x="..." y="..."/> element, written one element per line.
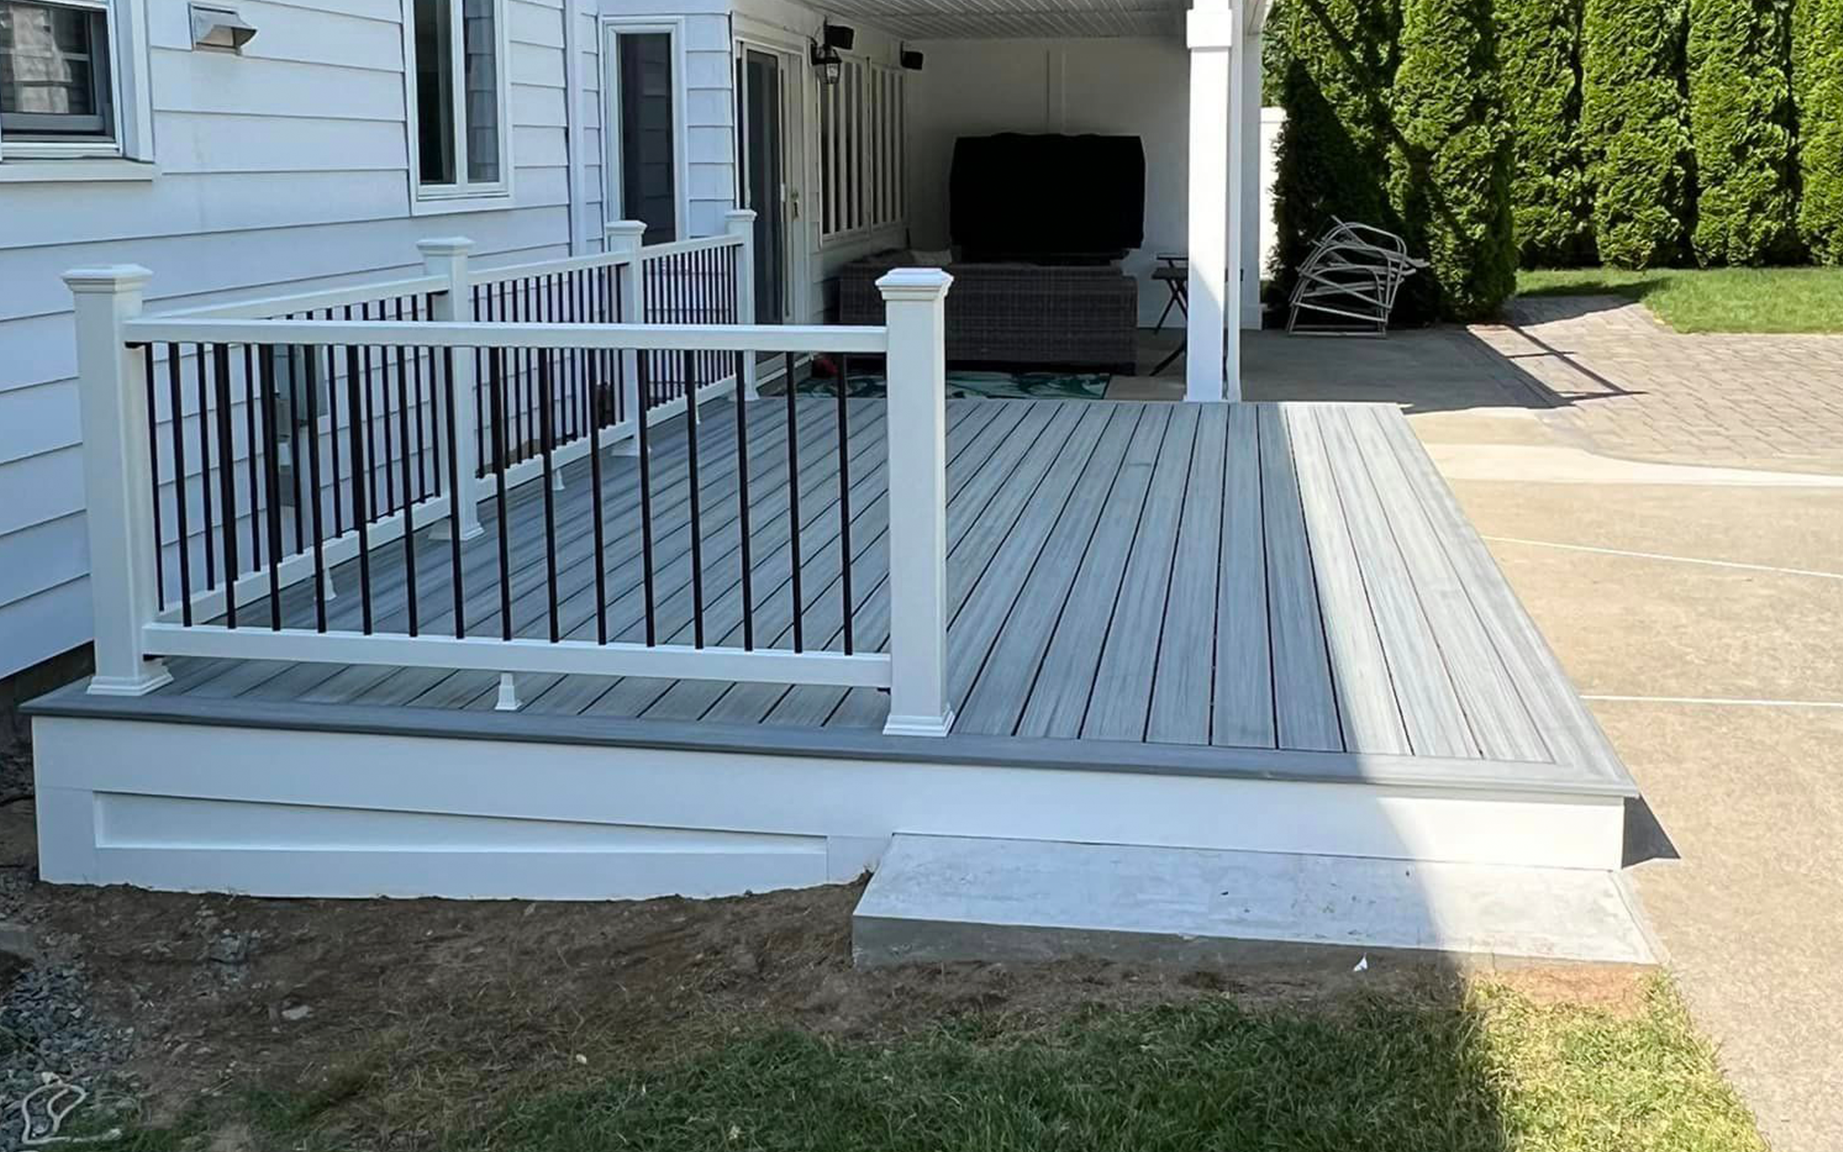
<point x="1645" y="838"/>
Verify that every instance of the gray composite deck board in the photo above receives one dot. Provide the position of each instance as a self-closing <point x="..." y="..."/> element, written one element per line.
<point x="1304" y="700"/>
<point x="1196" y="581"/>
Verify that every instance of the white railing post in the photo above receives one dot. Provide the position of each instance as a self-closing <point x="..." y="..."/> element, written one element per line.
<point x="447" y="257"/>
<point x="624" y="236"/>
<point x="915" y="302"/>
<point x="118" y="504"/>
<point x="740" y="223"/>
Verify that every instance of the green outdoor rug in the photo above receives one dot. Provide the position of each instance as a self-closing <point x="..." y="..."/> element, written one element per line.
<point x="991" y="385"/>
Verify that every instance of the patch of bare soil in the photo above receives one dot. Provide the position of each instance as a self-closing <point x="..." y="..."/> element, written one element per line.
<point x="404" y="1021"/>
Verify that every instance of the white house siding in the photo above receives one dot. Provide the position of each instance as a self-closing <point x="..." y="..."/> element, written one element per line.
<point x="283" y="169"/>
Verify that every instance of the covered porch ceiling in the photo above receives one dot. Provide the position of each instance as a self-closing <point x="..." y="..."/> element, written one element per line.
<point x="1009" y="19"/>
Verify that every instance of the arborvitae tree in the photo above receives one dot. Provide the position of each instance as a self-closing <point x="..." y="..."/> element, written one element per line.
<point x="1817" y="74"/>
<point x="1450" y="160"/>
<point x="1333" y="153"/>
<point x="1634" y="119"/>
<point x="1740" y="117"/>
<point x="1539" y="51"/>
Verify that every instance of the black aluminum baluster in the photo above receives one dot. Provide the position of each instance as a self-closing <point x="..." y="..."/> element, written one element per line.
<point x="742" y="511"/>
<point x="272" y="480"/>
<point x="249" y="439"/>
<point x="227" y="478"/>
<point x="496" y="388"/>
<point x="547" y="430"/>
<point x="312" y="355"/>
<point x="153" y="469"/>
<point x="332" y="429"/>
<point x="454" y="491"/>
<point x="595" y="505"/>
<point x="697" y="529"/>
<point x="204" y="463"/>
<point x="844" y="498"/>
<point x="361" y="467"/>
<point x="370" y="448"/>
<point x="483" y="310"/>
<point x="646" y="498"/>
<point x="390" y="468"/>
<point x="793" y="505"/>
<point x="403" y="443"/>
<point x="181" y="496"/>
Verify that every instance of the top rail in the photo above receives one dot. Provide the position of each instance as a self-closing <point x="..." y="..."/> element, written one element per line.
<point x="272" y="306"/>
<point x="416" y="334"/>
<point x="698" y="244"/>
<point x="482" y="276"/>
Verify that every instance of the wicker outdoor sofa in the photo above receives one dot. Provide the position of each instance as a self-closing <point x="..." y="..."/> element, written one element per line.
<point x="1017" y="313"/>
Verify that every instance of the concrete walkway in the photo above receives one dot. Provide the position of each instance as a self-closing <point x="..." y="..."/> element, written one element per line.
<point x="1670" y="509"/>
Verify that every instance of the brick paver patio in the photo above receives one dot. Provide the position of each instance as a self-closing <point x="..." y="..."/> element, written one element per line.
<point x="1619" y="378"/>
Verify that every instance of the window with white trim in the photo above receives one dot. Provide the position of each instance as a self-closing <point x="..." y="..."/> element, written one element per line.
<point x="861" y="154"/>
<point x="58" y="85"/>
<point x="643" y="102"/>
<point x="459" y="86"/>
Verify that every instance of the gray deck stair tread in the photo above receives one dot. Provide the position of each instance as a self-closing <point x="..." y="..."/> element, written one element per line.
<point x="1489" y="698"/>
<point x="1305" y="712"/>
<point x="940" y="899"/>
<point x="1182" y="688"/>
<point x="1430" y="709"/>
<point x="1123" y="683"/>
<point x="1366" y="702"/>
<point x="1058" y="702"/>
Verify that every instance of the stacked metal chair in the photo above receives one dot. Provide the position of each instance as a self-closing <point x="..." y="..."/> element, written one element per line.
<point x="1351" y="279"/>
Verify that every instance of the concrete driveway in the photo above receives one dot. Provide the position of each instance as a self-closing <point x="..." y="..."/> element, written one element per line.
<point x="1670" y="509"/>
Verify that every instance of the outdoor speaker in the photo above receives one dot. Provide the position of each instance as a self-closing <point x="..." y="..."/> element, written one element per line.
<point x="912" y="60"/>
<point x="840" y="37"/>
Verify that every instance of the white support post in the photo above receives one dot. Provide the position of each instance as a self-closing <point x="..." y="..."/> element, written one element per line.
<point x="740" y="223"/>
<point x="1248" y="200"/>
<point x="1210" y="35"/>
<point x="1232" y="287"/>
<point x="916" y="371"/>
<point x="118" y="505"/>
<point x="447" y="258"/>
<point x="624" y="237"/>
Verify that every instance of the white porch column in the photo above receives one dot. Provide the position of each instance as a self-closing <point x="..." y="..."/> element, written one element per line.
<point x="623" y="237"/>
<point x="914" y="300"/>
<point x="1248" y="202"/>
<point x="447" y="257"/>
<point x="118" y="506"/>
<point x="1210" y="35"/>
<point x="740" y="223"/>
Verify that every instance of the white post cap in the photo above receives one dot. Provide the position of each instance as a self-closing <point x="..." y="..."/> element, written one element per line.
<point x="914" y="283"/>
<point x="108" y="278"/>
<point x="740" y="215"/>
<point x="445" y="245"/>
<point x="633" y="228"/>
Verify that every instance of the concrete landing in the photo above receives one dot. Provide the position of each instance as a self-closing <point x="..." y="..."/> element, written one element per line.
<point x="937" y="899"/>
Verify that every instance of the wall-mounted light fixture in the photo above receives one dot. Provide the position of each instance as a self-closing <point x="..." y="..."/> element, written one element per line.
<point x="219" y="28"/>
<point x="826" y="61"/>
<point x="840" y="36"/>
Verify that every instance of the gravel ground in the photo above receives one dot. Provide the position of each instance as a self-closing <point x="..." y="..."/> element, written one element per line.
<point x="47" y="1022"/>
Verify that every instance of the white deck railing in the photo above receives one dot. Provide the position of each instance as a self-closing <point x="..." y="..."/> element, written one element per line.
<point x="408" y="430"/>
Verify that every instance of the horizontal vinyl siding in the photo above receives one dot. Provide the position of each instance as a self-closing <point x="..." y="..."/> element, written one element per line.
<point x="282" y="170"/>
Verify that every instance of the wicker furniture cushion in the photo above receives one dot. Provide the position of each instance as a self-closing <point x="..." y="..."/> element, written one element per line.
<point x="1015" y="313"/>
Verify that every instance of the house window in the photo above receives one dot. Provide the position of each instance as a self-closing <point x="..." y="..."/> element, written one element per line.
<point x="460" y="98"/>
<point x="56" y="83"/>
<point x="861" y="150"/>
<point x="646" y="154"/>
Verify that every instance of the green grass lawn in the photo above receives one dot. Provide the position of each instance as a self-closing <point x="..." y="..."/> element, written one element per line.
<point x="1711" y="299"/>
<point x="1493" y="1071"/>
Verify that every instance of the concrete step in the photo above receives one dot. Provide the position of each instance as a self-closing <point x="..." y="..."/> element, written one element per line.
<point x="938" y="898"/>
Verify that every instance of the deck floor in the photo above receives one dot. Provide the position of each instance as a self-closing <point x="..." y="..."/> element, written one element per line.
<point x="1282" y="577"/>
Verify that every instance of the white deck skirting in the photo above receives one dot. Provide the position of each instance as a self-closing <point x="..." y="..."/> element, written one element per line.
<point x="293" y="813"/>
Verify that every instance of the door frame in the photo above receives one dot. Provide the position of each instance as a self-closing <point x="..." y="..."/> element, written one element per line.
<point x="796" y="95"/>
<point x="607" y="28"/>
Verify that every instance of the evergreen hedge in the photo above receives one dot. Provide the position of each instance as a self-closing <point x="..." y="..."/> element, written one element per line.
<point x="1817" y="74"/>
<point x="1634" y="118"/>
<point x="1551" y="196"/>
<point x="1450" y="157"/>
<point x="1740" y="116"/>
<point x="1339" y="61"/>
